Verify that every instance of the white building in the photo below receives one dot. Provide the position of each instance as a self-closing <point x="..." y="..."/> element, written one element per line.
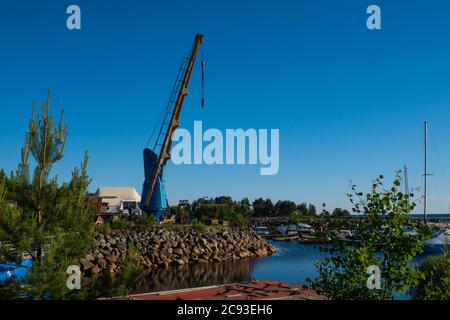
<point x="118" y="199"/>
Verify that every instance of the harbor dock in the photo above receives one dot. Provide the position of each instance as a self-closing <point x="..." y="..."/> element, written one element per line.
<point x="253" y="290"/>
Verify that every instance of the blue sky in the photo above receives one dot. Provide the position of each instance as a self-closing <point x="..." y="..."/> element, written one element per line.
<point x="349" y="102"/>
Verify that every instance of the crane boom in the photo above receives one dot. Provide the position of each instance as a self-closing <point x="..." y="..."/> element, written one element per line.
<point x="164" y="154"/>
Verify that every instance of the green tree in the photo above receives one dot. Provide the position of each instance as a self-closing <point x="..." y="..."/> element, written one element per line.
<point x="263" y="207"/>
<point x="302" y="209"/>
<point x="325" y="213"/>
<point x="312" y="211"/>
<point x="382" y="241"/>
<point x="338" y="212"/>
<point x="226" y="200"/>
<point x="285" y="208"/>
<point x="52" y="223"/>
<point x="223" y="208"/>
<point x="244" y="207"/>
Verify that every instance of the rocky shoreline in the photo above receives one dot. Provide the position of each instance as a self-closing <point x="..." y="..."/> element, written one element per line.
<point x="161" y="248"/>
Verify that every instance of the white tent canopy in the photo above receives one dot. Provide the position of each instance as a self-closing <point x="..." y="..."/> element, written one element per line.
<point x="115" y="195"/>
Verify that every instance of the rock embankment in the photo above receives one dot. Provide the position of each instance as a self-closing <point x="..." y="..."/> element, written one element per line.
<point x="161" y="248"/>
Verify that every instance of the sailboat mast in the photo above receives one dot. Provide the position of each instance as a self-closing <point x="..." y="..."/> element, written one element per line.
<point x="425" y="174"/>
<point x="405" y="172"/>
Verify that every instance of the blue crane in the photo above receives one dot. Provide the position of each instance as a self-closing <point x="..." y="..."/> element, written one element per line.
<point x="154" y="200"/>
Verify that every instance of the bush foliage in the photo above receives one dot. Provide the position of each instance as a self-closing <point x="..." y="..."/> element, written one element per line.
<point x="381" y="240"/>
<point x="436" y="283"/>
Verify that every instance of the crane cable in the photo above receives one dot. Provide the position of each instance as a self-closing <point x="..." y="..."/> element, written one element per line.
<point x="165" y="109"/>
<point x="203" y="75"/>
<point x="164" y="112"/>
<point x="156" y="126"/>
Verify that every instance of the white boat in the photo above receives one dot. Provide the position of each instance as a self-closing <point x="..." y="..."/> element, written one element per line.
<point x="439" y="240"/>
<point x="410" y="231"/>
<point x="287" y="230"/>
<point x="305" y="228"/>
<point x="291" y="230"/>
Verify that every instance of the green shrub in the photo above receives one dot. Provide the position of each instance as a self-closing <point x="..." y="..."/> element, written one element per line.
<point x="104" y="228"/>
<point x="129" y="270"/>
<point x="436" y="285"/>
<point x="382" y="241"/>
<point x="295" y="218"/>
<point x="122" y="283"/>
<point x="148" y="222"/>
<point x="199" y="227"/>
<point x="240" y="220"/>
<point x="120" y="224"/>
<point x="177" y="228"/>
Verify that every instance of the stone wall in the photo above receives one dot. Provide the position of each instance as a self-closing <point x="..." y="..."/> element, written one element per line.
<point x="161" y="248"/>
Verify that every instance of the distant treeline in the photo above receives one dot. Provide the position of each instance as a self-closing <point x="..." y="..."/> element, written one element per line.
<point x="238" y="212"/>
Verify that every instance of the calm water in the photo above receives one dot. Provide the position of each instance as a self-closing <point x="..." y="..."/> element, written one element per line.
<point x="292" y="263"/>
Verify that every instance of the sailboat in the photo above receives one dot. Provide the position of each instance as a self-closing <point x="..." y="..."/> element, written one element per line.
<point x="439" y="238"/>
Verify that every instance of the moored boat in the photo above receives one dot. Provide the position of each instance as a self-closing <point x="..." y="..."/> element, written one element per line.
<point x="438" y="242"/>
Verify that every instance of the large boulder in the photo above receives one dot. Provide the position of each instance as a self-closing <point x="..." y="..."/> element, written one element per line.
<point x="86" y="264"/>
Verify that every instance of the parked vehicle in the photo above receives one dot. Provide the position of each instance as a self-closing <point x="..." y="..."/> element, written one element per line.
<point x="281" y="229"/>
<point x="291" y="230"/>
<point x="262" y="230"/>
<point x="287" y="230"/>
<point x="168" y="220"/>
<point x="304" y="228"/>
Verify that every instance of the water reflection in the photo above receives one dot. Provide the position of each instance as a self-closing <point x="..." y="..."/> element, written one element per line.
<point x="195" y="275"/>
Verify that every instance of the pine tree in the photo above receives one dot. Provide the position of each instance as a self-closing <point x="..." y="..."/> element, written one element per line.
<point x="50" y="222"/>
